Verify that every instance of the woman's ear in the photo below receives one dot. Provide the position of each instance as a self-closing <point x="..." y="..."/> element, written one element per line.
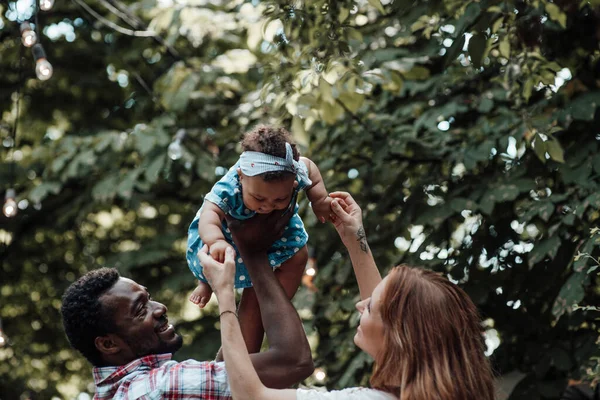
<point x="240" y="175"/>
<point x="107" y="344"/>
<point x="295" y="184"/>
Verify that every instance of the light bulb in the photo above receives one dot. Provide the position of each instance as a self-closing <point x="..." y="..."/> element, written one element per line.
<point x="9" y="209"/>
<point x="28" y="36"/>
<point x="43" y="69"/>
<point x="320" y="374"/>
<point x="175" y="150"/>
<point x="45" y="5"/>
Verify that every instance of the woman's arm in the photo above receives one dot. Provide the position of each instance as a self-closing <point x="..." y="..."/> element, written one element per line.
<point x="348" y="223"/>
<point x="243" y="379"/>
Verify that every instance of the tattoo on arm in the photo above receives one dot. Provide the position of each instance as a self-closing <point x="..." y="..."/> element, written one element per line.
<point x="361" y="237"/>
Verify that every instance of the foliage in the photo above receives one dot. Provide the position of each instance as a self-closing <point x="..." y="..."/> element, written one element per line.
<point x="466" y="130"/>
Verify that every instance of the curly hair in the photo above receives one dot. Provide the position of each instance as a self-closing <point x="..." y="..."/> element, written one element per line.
<point x="84" y="318"/>
<point x="270" y="140"/>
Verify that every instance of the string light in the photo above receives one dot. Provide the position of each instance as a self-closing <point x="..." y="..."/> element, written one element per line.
<point x="46" y="5"/>
<point x="43" y="68"/>
<point x="28" y="36"/>
<point x="3" y="337"/>
<point x="9" y="209"/>
<point x="320" y="374"/>
<point x="175" y="150"/>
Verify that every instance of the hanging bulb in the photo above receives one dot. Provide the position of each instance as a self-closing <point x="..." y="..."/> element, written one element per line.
<point x="28" y="36"/>
<point x="10" y="205"/>
<point x="175" y="151"/>
<point x="46" y="5"/>
<point x="43" y="69"/>
<point x="3" y="337"/>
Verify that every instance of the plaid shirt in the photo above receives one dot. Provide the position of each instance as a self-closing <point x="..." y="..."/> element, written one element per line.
<point x="158" y="377"/>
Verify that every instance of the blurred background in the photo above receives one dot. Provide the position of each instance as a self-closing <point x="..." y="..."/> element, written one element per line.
<point x="466" y="130"/>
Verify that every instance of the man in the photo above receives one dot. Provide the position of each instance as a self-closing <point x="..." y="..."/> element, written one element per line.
<point x="127" y="337"/>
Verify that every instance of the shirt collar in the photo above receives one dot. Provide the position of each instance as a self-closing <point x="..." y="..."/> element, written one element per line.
<point x="107" y="375"/>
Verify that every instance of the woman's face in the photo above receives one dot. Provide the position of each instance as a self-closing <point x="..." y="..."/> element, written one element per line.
<point x="369" y="334"/>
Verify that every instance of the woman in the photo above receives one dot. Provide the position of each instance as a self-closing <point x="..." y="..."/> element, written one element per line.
<point x="422" y="331"/>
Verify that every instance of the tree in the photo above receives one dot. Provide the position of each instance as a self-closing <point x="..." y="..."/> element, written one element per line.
<point x="466" y="130"/>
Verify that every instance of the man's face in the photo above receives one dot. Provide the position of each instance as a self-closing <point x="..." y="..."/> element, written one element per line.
<point x="141" y="323"/>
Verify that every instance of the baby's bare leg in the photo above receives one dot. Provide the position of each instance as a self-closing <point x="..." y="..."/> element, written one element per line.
<point x="289" y="275"/>
<point x="201" y="295"/>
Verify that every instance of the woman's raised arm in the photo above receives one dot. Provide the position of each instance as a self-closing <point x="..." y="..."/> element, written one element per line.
<point x="348" y="223"/>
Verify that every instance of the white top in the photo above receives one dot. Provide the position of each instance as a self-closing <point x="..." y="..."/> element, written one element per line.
<point x="346" y="394"/>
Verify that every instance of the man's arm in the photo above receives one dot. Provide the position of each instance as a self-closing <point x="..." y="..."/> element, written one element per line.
<point x="288" y="360"/>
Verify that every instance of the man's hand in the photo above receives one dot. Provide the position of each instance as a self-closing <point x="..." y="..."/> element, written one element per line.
<point x="218" y="248"/>
<point x="258" y="233"/>
<point x="220" y="275"/>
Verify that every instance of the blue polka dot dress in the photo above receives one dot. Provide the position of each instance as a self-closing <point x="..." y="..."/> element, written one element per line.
<point x="227" y="195"/>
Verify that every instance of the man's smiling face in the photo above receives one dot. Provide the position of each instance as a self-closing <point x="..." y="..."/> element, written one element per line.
<point x="140" y="322"/>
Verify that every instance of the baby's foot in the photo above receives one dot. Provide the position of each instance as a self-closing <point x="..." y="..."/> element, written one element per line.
<point x="201" y="295"/>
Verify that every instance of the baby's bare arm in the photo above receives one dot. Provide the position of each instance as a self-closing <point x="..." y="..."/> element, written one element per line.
<point x="317" y="191"/>
<point x="209" y="224"/>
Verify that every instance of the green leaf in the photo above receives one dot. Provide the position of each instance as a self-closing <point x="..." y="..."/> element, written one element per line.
<point x="504" y="47"/>
<point x="153" y="171"/>
<point x="125" y="187"/>
<point x="106" y="189"/>
<point x="42" y="191"/>
<point x="539" y="147"/>
<point x="454" y="50"/>
<point x="571" y="293"/>
<point x="485" y="105"/>
<point x="547" y="247"/>
<point x="583" y="252"/>
<point x="555" y="150"/>
<point x="477" y="48"/>
<point x="377" y="4"/>
<point x="556" y="14"/>
<point x="352" y="101"/>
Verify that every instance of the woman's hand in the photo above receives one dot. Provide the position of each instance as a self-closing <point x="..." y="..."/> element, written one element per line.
<point x="348" y="220"/>
<point x="220" y="275"/>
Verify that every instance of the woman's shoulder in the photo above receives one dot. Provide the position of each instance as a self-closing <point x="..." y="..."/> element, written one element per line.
<point x="357" y="393"/>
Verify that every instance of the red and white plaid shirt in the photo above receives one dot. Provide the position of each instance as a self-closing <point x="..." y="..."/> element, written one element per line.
<point x="158" y="377"/>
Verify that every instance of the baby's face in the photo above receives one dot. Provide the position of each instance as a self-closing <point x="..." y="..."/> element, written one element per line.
<point x="266" y="196"/>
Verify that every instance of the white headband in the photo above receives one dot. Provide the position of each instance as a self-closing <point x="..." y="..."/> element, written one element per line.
<point x="254" y="163"/>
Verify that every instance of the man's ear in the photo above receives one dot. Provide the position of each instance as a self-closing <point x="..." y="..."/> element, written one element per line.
<point x="108" y="344"/>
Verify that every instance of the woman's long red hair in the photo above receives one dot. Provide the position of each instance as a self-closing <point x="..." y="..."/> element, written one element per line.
<point x="433" y="344"/>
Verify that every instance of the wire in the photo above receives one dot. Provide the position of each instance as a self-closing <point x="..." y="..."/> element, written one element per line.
<point x="112" y="25"/>
<point x="17" y="102"/>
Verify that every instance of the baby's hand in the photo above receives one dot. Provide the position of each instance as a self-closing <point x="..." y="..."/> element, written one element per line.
<point x="217" y="250"/>
<point x="322" y="209"/>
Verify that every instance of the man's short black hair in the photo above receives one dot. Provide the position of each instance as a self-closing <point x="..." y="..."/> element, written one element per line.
<point x="84" y="318"/>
